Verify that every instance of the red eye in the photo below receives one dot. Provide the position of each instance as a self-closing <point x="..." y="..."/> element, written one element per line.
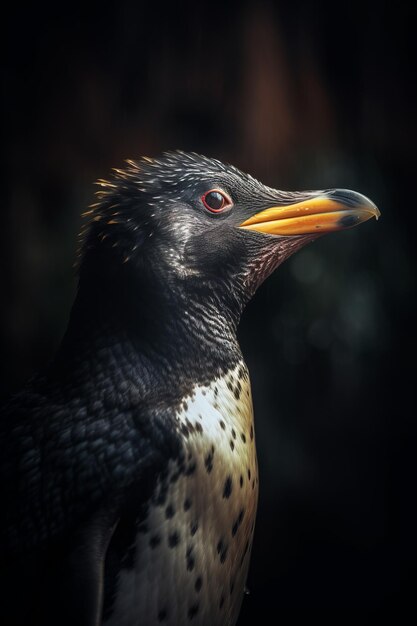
<point x="216" y="201"/>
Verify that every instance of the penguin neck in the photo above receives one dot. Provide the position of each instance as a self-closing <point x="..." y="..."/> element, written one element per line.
<point x="148" y="333"/>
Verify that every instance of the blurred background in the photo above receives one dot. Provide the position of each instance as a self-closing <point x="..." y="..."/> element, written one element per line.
<point x="302" y="95"/>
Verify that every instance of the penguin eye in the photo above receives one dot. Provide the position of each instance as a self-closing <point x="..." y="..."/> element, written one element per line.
<point x="216" y="201"/>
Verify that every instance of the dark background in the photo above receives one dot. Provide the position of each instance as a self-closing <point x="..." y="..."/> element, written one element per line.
<point x="301" y="95"/>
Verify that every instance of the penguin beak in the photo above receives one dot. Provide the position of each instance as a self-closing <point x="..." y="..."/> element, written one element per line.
<point x="314" y="212"/>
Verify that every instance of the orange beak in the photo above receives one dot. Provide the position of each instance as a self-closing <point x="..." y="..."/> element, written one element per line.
<point x="324" y="212"/>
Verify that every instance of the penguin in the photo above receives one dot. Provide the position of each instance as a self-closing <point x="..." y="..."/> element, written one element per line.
<point x="129" y="479"/>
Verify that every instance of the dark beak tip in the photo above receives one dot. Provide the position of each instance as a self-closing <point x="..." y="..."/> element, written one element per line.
<point x="354" y="200"/>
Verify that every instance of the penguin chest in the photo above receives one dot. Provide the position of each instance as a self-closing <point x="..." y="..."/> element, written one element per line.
<point x="192" y="559"/>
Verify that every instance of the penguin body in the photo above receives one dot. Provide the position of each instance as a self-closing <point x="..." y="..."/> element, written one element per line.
<point x="199" y="526"/>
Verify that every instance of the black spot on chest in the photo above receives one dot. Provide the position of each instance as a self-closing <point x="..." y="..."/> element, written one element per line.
<point x="208" y="461"/>
<point x="191" y="469"/>
<point x="190" y="559"/>
<point x="227" y="488"/>
<point x="222" y="549"/>
<point x="238" y="522"/>
<point x="169" y="511"/>
<point x="173" y="539"/>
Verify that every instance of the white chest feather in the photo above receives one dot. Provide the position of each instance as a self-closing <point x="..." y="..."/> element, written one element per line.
<point x="192" y="562"/>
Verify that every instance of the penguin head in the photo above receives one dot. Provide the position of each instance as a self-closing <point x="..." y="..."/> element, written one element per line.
<point x="185" y="225"/>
